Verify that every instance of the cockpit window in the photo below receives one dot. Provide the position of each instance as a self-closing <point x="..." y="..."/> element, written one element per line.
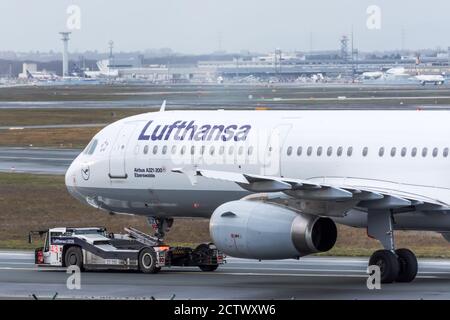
<point x="90" y="149"/>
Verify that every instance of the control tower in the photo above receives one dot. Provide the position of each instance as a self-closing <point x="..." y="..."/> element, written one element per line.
<point x="65" y="62"/>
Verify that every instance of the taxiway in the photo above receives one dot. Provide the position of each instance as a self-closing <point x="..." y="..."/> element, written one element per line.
<point x="308" y="278"/>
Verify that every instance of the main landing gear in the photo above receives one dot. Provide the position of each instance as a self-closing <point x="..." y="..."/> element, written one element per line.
<point x="396" y="265"/>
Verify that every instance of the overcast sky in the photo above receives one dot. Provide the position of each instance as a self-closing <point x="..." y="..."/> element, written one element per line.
<point x="195" y="26"/>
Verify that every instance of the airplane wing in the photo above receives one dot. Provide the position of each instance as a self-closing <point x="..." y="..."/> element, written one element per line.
<point x="366" y="197"/>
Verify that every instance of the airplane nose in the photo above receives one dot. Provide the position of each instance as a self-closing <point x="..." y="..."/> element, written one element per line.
<point x="71" y="177"/>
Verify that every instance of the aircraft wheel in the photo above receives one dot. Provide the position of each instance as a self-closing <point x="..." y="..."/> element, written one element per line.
<point x="388" y="263"/>
<point x="147" y="260"/>
<point x="408" y="265"/>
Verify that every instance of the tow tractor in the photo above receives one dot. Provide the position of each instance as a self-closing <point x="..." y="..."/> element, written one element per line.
<point x="95" y="248"/>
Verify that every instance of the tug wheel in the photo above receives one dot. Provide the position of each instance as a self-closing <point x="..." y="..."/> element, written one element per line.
<point x="73" y="257"/>
<point x="147" y="261"/>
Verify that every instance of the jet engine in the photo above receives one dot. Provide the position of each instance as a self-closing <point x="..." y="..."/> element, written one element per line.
<point x="258" y="230"/>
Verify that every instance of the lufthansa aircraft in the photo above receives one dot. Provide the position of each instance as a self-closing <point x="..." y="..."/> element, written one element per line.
<point x="275" y="183"/>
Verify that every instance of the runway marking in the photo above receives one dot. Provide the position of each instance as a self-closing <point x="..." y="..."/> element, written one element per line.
<point x="356" y="98"/>
<point x="295" y="275"/>
<point x="30" y="254"/>
<point x="34" y="269"/>
<point x="315" y="261"/>
<point x="18" y="269"/>
<point x="300" y="262"/>
<point x="292" y="269"/>
<point x="320" y="273"/>
<point x="257" y="274"/>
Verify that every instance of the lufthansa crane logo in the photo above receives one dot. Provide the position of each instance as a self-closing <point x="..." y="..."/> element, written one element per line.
<point x="85" y="172"/>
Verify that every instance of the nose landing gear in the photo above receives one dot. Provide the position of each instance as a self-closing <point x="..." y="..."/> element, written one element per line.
<point x="161" y="226"/>
<point x="395" y="265"/>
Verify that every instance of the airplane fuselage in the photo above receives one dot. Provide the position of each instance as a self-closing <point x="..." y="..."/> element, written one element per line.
<point x="128" y="166"/>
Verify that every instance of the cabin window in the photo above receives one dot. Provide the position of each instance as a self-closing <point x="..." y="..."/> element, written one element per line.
<point x="289" y="151"/>
<point x="381" y="152"/>
<point x="319" y="151"/>
<point x="403" y="152"/>
<point x="192" y="149"/>
<point x="145" y="149"/>
<point x="329" y="151"/>
<point x="174" y="149"/>
<point x="393" y="151"/>
<point x="241" y="150"/>
<point x="349" y="151"/>
<point x="365" y="151"/>
<point x="413" y="152"/>
<point x="164" y="149"/>
<point x="202" y="150"/>
<point x="445" y="153"/>
<point x="424" y="152"/>
<point x="155" y="149"/>
<point x="183" y="150"/>
<point x="309" y="151"/>
<point x="435" y="152"/>
<point x="230" y="150"/>
<point x="299" y="151"/>
<point x="250" y="150"/>
<point x="339" y="151"/>
<point x="221" y="150"/>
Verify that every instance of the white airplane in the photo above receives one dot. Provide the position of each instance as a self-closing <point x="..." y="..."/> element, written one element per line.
<point x="391" y="73"/>
<point x="398" y="71"/>
<point x="275" y="183"/>
<point x="102" y="74"/>
<point x="41" y="76"/>
<point x="436" y="79"/>
<point x="371" y="75"/>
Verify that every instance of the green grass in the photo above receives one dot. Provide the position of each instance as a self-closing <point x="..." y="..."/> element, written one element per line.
<point x="21" y="244"/>
<point x="31" y="179"/>
<point x="50" y="137"/>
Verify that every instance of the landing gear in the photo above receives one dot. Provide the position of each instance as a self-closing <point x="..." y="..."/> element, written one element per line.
<point x="387" y="262"/>
<point x="161" y="226"/>
<point x="408" y="265"/>
<point x="395" y="265"/>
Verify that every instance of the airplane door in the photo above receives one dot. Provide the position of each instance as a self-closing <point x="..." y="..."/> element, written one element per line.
<point x="272" y="155"/>
<point x="117" y="156"/>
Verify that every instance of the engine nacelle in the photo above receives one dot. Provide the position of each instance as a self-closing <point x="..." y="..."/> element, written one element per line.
<point x="257" y="230"/>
